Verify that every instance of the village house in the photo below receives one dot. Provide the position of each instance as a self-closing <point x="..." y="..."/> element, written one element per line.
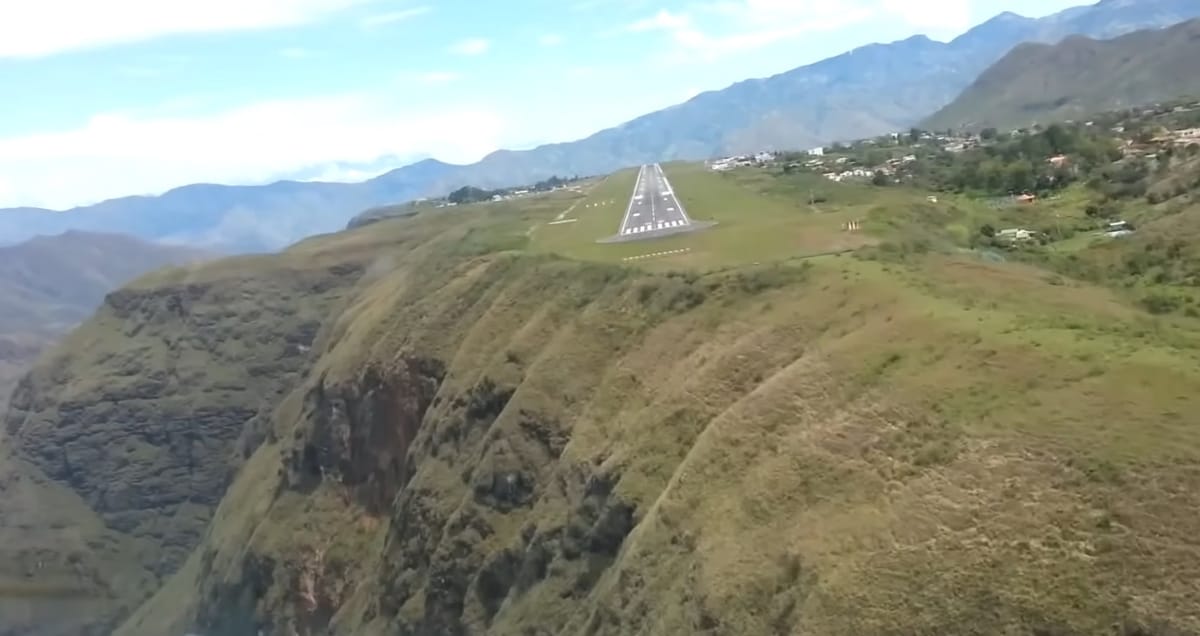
<point x="1186" y="137"/>
<point x="856" y="173"/>
<point x="1015" y="235"/>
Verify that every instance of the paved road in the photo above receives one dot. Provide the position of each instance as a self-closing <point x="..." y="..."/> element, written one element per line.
<point x="653" y="207"/>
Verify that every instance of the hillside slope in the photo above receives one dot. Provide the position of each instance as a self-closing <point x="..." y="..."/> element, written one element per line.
<point x="50" y="284"/>
<point x="868" y="91"/>
<point x="122" y="439"/>
<point x="492" y="442"/>
<point x="1078" y="77"/>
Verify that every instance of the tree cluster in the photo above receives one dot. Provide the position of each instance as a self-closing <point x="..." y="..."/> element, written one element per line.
<point x="470" y="194"/>
<point x="1020" y="163"/>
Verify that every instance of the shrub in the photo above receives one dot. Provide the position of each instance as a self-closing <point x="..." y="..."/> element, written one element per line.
<point x="1159" y="303"/>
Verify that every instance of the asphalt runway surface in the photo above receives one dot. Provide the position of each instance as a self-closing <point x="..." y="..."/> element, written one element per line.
<point x="653" y="207"/>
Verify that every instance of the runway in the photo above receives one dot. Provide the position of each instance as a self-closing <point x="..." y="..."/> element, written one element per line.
<point x="653" y="208"/>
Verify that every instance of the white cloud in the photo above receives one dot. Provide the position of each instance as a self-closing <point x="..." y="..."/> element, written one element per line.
<point x="581" y="72"/>
<point x="140" y="72"/>
<point x="663" y="20"/>
<point x="295" y="52"/>
<point x="383" y="19"/>
<point x="721" y="28"/>
<point x="439" y="77"/>
<point x="471" y="46"/>
<point x="119" y="154"/>
<point x="44" y="27"/>
<point x="939" y="17"/>
<point x="551" y="39"/>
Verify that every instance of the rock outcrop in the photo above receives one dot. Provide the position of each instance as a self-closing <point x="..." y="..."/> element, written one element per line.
<point x="444" y="434"/>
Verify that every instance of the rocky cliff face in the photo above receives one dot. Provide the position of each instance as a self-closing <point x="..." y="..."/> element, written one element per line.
<point x="143" y="415"/>
<point x="485" y="441"/>
<point x="498" y="443"/>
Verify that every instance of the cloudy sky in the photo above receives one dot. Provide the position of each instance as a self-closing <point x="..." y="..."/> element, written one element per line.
<point x="104" y="99"/>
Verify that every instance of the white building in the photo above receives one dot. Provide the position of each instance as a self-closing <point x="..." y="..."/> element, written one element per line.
<point x="817" y="152"/>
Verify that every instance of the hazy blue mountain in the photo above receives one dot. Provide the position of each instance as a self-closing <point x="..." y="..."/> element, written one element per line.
<point x="867" y="91"/>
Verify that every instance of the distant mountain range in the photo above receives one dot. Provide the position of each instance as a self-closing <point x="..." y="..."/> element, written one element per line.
<point x="1078" y="77"/>
<point x="50" y="284"/>
<point x="867" y="91"/>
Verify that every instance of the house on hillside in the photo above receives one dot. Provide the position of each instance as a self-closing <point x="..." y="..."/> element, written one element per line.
<point x="856" y="173"/>
<point x="1059" y="161"/>
<point x="817" y="152"/>
<point x="1117" y="229"/>
<point x="1026" y="199"/>
<point x="1015" y="235"/>
<point x="1186" y="137"/>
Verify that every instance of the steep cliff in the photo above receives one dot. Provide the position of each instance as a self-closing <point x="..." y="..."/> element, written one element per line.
<point x="50" y="284"/>
<point x="124" y="438"/>
<point x="420" y="427"/>
<point x="491" y="442"/>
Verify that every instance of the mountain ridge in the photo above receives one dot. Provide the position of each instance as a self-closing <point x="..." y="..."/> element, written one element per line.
<point x="870" y="90"/>
<point x="1077" y="77"/>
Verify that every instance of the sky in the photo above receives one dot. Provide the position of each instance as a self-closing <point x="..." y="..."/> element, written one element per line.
<point x="123" y="97"/>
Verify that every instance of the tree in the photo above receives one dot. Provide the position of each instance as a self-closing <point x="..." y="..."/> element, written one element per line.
<point x="991" y="175"/>
<point x="880" y="179"/>
<point x="988" y="134"/>
<point x="987" y="230"/>
<point x="1020" y="176"/>
<point x="1060" y="138"/>
<point x="914" y="135"/>
<point x="469" y="194"/>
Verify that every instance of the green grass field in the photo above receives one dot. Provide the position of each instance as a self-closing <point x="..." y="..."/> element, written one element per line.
<point x="880" y="443"/>
<point x="753" y="222"/>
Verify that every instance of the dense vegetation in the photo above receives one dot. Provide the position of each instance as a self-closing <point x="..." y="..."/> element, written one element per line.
<point x="1021" y="162"/>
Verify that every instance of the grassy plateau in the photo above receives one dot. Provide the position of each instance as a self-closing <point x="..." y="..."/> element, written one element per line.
<point x="504" y="427"/>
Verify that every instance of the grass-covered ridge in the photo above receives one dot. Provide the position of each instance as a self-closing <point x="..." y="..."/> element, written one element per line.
<point x="506" y="431"/>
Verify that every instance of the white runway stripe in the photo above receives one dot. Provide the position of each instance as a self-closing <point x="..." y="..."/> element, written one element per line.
<point x="657" y="254"/>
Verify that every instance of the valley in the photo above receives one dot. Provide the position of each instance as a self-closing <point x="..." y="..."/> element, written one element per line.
<point x="831" y="352"/>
